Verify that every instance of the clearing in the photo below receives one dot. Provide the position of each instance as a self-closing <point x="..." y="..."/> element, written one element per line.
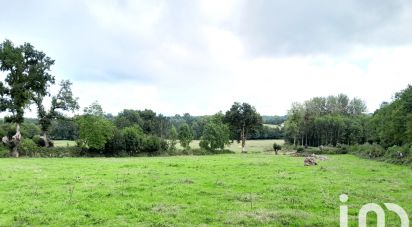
<point x="230" y="189"/>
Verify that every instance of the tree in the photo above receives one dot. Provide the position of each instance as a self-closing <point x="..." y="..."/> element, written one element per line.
<point x="63" y="129"/>
<point x="128" y="118"/>
<point x="27" y="73"/>
<point x="215" y="134"/>
<point x="276" y="148"/>
<point x="133" y="137"/>
<point x="242" y="119"/>
<point x="62" y="101"/>
<point x="173" y="137"/>
<point x="94" y="129"/>
<point x="185" y="136"/>
<point x="323" y="121"/>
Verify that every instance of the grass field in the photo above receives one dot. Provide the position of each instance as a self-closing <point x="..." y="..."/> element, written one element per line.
<point x="233" y="189"/>
<point x="64" y="143"/>
<point x="251" y="145"/>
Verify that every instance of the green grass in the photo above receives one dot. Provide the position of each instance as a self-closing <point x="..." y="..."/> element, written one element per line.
<point x="64" y="143"/>
<point x="233" y="189"/>
<point x="251" y="145"/>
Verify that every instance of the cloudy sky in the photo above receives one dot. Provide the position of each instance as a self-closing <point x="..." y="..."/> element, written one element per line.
<point x="201" y="56"/>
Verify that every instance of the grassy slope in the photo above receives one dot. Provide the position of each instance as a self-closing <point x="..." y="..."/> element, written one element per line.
<point x="252" y="189"/>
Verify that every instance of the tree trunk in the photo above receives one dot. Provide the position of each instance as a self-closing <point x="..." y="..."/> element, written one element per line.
<point x="46" y="139"/>
<point x="294" y="140"/>
<point x="243" y="137"/>
<point x="16" y="142"/>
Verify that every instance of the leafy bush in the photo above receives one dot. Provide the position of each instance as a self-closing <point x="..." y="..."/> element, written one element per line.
<point x="399" y="154"/>
<point x="4" y="151"/>
<point x="133" y="139"/>
<point x="115" y="145"/>
<point x="215" y="135"/>
<point x="371" y="151"/>
<point x="151" y="144"/>
<point x="300" y="150"/>
<point x="27" y="147"/>
<point x="276" y="147"/>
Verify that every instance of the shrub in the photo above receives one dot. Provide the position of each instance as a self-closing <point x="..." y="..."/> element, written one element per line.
<point x="185" y="136"/>
<point x="27" y="147"/>
<point x="300" y="150"/>
<point x="398" y="154"/>
<point x="276" y="147"/>
<point x="215" y="135"/>
<point x="133" y="139"/>
<point x="152" y="144"/>
<point x="116" y="145"/>
<point x="4" y="151"/>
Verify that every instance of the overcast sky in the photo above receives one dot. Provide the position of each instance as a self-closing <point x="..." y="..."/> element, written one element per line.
<point x="201" y="56"/>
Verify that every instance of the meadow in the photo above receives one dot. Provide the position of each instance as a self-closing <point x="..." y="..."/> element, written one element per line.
<point x="232" y="189"/>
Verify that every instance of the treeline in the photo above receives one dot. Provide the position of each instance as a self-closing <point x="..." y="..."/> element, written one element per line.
<point x="337" y="121"/>
<point x="327" y="121"/>
<point x="160" y="125"/>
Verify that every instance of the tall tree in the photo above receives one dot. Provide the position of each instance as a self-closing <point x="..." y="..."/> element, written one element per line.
<point x="27" y="73"/>
<point x="215" y="134"/>
<point x="63" y="101"/>
<point x="185" y="136"/>
<point x="94" y="129"/>
<point x="243" y="119"/>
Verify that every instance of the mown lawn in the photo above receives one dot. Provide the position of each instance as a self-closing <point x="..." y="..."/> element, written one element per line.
<point x="234" y="189"/>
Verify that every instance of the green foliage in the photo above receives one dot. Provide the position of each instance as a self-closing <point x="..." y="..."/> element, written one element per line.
<point x="215" y="134"/>
<point x="327" y="121"/>
<point x="185" y="136"/>
<point x="133" y="139"/>
<point x="128" y="118"/>
<point x="116" y="145"/>
<point x="277" y="147"/>
<point x="27" y="146"/>
<point x="242" y="120"/>
<point x="371" y="151"/>
<point x="63" y="129"/>
<point x="300" y="149"/>
<point x="392" y="123"/>
<point x="394" y="154"/>
<point x="29" y="130"/>
<point x="27" y="74"/>
<point x="63" y="101"/>
<point x="94" y="129"/>
<point x="154" y="144"/>
<point x="173" y="137"/>
<point x="4" y="151"/>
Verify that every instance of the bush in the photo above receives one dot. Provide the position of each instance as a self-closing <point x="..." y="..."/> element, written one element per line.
<point x="276" y="147"/>
<point x="151" y="144"/>
<point x="399" y="154"/>
<point x="300" y="150"/>
<point x="116" y="145"/>
<point x="4" y="151"/>
<point x="133" y="139"/>
<point x="28" y="147"/>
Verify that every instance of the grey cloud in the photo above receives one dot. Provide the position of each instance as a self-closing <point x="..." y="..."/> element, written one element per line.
<point x="282" y="27"/>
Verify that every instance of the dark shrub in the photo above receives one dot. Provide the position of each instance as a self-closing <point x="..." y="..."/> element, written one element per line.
<point x="300" y="150"/>
<point x="116" y="145"/>
<point x="151" y="144"/>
